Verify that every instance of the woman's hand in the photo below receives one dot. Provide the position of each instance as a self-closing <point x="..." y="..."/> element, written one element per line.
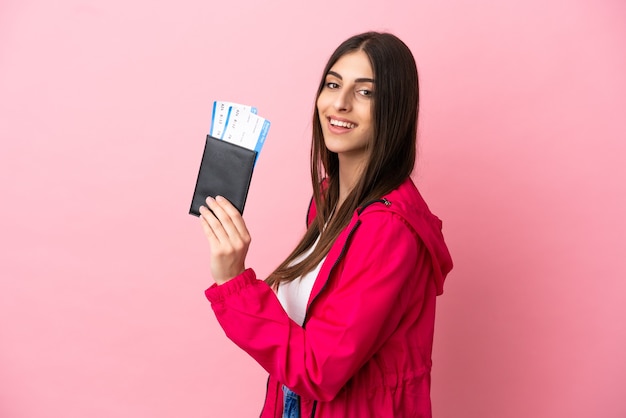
<point x="228" y="238"/>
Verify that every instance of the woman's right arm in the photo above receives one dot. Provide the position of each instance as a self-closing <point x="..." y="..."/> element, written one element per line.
<point x="365" y="306"/>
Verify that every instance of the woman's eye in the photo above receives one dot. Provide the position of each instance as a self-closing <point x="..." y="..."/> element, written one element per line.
<point x="332" y="85"/>
<point x="365" y="92"/>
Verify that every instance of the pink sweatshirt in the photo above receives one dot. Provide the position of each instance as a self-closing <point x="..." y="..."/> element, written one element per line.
<point x="365" y="347"/>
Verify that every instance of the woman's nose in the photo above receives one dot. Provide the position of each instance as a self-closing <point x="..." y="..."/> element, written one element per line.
<point x="342" y="101"/>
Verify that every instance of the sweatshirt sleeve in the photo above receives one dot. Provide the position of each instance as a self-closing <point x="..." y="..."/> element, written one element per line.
<point x="381" y="273"/>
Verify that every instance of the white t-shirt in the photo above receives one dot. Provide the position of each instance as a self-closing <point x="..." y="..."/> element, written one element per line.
<point x="294" y="295"/>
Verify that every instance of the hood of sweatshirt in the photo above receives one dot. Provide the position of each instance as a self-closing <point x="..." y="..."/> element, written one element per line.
<point x="407" y="202"/>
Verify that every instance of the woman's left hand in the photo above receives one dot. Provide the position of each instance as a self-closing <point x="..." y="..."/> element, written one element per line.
<point x="228" y="237"/>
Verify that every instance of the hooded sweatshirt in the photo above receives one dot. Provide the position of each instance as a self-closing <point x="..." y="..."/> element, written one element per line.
<point x="365" y="347"/>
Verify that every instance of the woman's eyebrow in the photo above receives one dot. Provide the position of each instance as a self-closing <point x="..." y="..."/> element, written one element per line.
<point x="358" y="80"/>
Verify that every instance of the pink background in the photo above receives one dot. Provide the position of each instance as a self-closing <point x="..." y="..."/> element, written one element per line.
<point x="103" y="111"/>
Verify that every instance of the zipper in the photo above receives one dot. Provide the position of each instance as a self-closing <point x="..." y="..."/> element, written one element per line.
<point x="339" y="257"/>
<point x="341" y="254"/>
<point x="385" y="202"/>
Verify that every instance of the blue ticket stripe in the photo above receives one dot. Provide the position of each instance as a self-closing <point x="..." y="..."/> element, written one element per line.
<point x="213" y="117"/>
<point x="262" y="135"/>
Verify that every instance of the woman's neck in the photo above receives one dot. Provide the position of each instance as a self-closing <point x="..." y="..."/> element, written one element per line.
<point x="350" y="171"/>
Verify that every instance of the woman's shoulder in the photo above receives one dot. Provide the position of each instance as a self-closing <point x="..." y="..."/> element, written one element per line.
<point x="405" y="201"/>
<point x="403" y="215"/>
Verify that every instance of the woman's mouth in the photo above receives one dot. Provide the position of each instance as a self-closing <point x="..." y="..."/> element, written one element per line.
<point x="342" y="124"/>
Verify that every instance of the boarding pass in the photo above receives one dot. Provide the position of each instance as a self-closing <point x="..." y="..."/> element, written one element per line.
<point x="239" y="124"/>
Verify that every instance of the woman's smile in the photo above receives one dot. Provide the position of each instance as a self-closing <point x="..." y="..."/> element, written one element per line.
<point x="345" y="102"/>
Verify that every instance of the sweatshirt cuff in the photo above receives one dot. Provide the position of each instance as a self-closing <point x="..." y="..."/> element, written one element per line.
<point x="218" y="293"/>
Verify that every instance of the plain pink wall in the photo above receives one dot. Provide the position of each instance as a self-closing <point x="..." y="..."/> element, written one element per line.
<point x="103" y="111"/>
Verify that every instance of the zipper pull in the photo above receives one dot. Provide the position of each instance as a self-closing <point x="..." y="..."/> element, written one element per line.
<point x="386" y="202"/>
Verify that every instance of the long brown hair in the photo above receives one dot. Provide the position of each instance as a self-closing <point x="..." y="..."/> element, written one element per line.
<point x="393" y="148"/>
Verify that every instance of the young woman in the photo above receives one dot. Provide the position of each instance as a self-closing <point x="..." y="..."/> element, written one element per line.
<point x="344" y="326"/>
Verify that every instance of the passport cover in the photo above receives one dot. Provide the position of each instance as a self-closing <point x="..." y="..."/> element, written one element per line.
<point x="225" y="170"/>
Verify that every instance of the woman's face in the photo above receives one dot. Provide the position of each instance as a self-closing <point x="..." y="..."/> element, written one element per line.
<point x="345" y="106"/>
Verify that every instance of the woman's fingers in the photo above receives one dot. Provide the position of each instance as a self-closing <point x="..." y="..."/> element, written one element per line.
<point x="212" y="218"/>
<point x="231" y="225"/>
<point x="235" y="218"/>
<point x="206" y="218"/>
<point x="228" y="238"/>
